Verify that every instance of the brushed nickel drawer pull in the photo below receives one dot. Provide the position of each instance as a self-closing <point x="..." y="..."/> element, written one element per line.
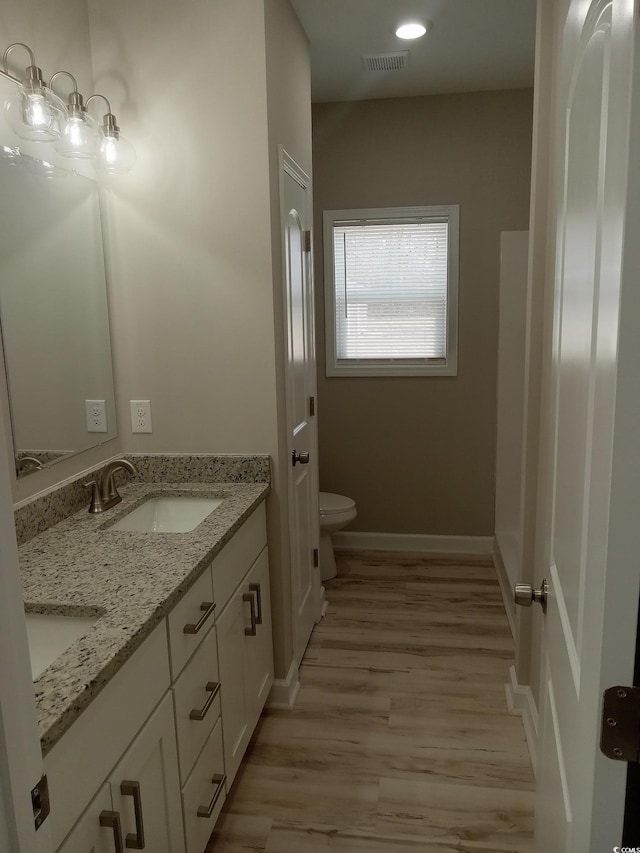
<point x="212" y="688"/>
<point x="248" y="597"/>
<point x="134" y="840"/>
<point x="207" y="811"/>
<point x="112" y="821"/>
<point x="208" y="607"/>
<point x="255" y="587"/>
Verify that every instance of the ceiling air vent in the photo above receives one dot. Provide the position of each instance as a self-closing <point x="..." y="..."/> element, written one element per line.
<point x="387" y="61"/>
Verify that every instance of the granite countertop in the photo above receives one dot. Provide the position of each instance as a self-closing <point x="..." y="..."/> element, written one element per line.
<point x="130" y="580"/>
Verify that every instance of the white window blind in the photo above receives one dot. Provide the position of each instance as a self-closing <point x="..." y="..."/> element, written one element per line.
<point x="390" y="281"/>
<point x="391" y="291"/>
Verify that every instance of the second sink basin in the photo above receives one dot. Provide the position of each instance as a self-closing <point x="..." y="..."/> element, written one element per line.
<point x="50" y="635"/>
<point x="167" y="515"/>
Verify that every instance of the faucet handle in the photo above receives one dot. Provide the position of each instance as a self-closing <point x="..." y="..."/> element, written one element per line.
<point x="96" y="504"/>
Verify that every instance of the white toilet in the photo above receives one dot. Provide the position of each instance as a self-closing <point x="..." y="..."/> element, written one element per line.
<point x="336" y="511"/>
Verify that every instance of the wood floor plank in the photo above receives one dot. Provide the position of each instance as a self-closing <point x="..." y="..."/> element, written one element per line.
<point x="400" y="740"/>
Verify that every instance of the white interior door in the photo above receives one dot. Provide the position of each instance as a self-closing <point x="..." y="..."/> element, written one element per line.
<point x="588" y="537"/>
<point x="301" y="391"/>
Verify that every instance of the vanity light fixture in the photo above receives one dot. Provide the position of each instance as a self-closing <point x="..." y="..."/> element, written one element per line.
<point x="116" y="154"/>
<point x="413" y="29"/>
<point x="80" y="136"/>
<point x="34" y="112"/>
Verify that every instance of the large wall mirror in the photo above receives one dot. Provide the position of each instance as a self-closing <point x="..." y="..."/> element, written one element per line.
<point x="53" y="312"/>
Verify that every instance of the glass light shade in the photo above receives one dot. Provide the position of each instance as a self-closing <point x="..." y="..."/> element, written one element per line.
<point x="36" y="114"/>
<point x="117" y="154"/>
<point x="411" y="31"/>
<point x="80" y="137"/>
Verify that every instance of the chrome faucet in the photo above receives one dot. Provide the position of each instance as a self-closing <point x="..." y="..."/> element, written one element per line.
<point x="104" y="493"/>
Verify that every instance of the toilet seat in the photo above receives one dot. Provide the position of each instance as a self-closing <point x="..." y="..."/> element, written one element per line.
<point x="331" y="504"/>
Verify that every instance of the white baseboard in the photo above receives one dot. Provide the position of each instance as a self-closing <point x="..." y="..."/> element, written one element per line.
<point x="520" y="701"/>
<point x="505" y="586"/>
<point x="284" y="691"/>
<point x="422" y="542"/>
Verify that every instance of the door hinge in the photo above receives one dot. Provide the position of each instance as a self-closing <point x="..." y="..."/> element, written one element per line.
<point x="312" y="407"/>
<point x="620" y="736"/>
<point x="316" y="558"/>
<point x="40" y="802"/>
<point x="307" y="241"/>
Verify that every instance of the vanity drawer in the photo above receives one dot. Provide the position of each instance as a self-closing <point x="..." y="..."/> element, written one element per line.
<point x="197" y="694"/>
<point x="189" y="622"/>
<point x="237" y="557"/>
<point x="204" y="794"/>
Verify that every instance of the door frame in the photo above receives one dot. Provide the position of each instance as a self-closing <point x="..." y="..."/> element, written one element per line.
<point x="288" y="166"/>
<point x="20" y="753"/>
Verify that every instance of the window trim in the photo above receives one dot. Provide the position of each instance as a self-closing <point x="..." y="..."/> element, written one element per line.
<point x="353" y="367"/>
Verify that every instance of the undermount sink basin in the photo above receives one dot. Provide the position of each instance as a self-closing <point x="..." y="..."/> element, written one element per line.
<point x="51" y="634"/>
<point x="167" y="515"/>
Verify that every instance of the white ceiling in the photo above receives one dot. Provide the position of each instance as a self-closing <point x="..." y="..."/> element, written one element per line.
<point x="474" y="45"/>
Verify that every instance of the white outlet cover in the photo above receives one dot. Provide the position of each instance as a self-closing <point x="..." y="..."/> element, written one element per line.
<point x="141" y="416"/>
<point x="96" y="415"/>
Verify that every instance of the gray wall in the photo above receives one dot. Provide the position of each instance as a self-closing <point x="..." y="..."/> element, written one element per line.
<point x="418" y="454"/>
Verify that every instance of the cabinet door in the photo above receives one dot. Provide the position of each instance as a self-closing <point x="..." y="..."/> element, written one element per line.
<point x="88" y="835"/>
<point x="145" y="786"/>
<point x="233" y="678"/>
<point x="259" y="648"/>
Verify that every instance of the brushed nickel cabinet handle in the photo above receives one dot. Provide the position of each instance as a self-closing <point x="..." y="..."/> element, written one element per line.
<point x="248" y="597"/>
<point x="208" y="607"/>
<point x="112" y="821"/>
<point x="212" y="688"/>
<point x="207" y="811"/>
<point x="255" y="587"/>
<point x="134" y="840"/>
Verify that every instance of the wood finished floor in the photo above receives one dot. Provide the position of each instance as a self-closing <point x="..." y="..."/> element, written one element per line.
<point x="400" y="740"/>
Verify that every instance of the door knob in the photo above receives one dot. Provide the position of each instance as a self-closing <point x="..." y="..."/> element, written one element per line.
<point x="524" y="594"/>
<point x="302" y="458"/>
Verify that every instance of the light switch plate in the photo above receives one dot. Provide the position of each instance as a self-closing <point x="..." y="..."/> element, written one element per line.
<point x="141" y="416"/>
<point x="96" y="412"/>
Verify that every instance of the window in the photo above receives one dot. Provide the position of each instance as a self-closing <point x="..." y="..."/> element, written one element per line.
<point x="391" y="291"/>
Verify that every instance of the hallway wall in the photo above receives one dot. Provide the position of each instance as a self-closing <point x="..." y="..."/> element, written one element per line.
<point x="418" y="453"/>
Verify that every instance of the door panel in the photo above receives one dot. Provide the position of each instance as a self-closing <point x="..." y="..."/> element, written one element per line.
<point x="587" y="542"/>
<point x="259" y="648"/>
<point x="88" y="836"/>
<point x="301" y="383"/>
<point x="233" y="679"/>
<point x="152" y="762"/>
<point x="577" y="320"/>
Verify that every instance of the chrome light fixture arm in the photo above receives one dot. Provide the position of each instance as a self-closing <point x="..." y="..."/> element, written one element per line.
<point x="5" y="61"/>
<point x="109" y="123"/>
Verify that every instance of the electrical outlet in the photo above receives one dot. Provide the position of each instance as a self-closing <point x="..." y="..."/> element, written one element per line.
<point x="140" y="415"/>
<point x="96" y="414"/>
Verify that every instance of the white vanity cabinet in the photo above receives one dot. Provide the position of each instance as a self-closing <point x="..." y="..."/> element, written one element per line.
<point x="245" y="653"/>
<point x="149" y="762"/>
<point x="139" y="807"/>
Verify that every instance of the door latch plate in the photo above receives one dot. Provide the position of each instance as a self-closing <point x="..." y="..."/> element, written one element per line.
<point x="40" y="802"/>
<point x="620" y="736"/>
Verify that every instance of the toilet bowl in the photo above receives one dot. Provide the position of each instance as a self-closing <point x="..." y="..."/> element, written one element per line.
<point x="336" y="511"/>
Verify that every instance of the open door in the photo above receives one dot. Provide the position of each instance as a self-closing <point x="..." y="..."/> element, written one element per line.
<point x="588" y="537"/>
<point x="20" y="755"/>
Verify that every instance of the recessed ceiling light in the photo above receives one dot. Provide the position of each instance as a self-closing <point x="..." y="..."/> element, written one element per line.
<point x="412" y="30"/>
